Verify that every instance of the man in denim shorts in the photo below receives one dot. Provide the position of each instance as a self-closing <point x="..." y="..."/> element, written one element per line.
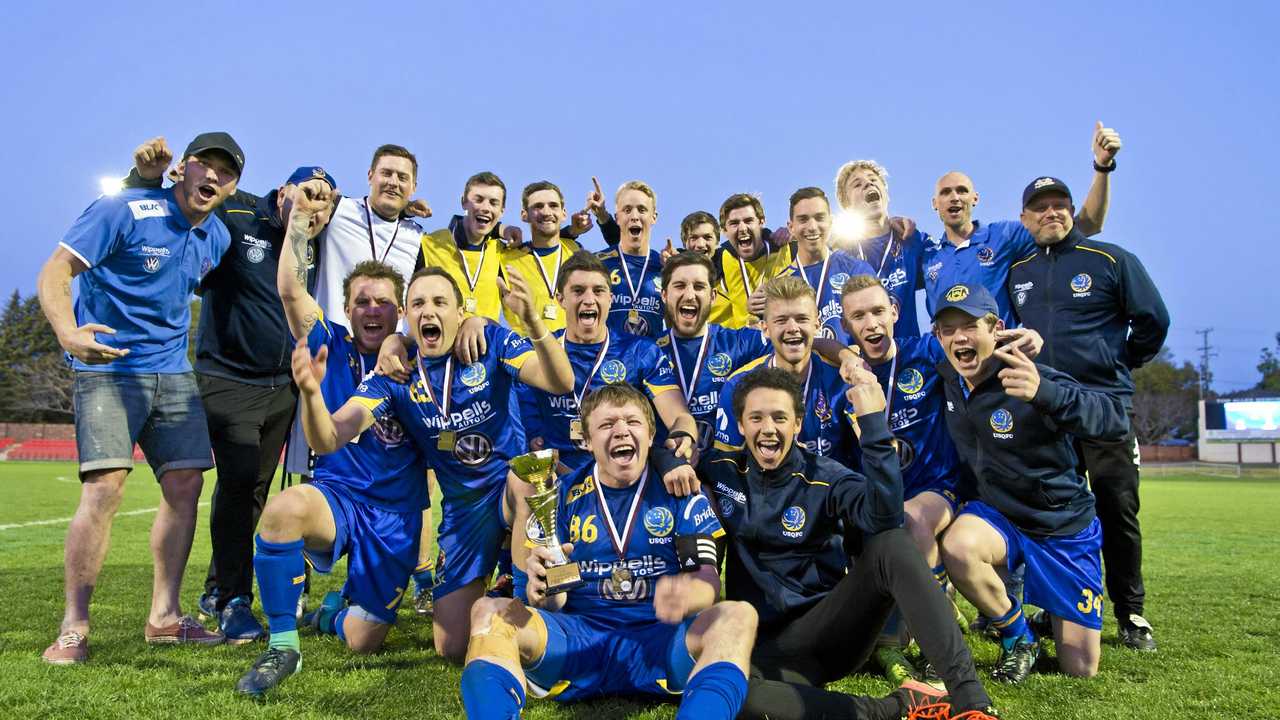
<point x="138" y="256"/>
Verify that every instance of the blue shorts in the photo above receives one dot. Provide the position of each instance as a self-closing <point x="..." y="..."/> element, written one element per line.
<point x="161" y="412"/>
<point x="944" y="490"/>
<point x="1063" y="574"/>
<point x="586" y="657"/>
<point x="470" y="539"/>
<point x="381" y="548"/>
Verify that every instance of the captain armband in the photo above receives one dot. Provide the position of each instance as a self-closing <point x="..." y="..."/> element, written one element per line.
<point x="694" y="551"/>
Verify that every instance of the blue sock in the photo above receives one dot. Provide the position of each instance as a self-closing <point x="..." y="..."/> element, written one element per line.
<point x="717" y="691"/>
<point x="504" y="561"/>
<point x="490" y="692"/>
<point x="424" y="578"/>
<point x="338" y="619"/>
<point x="940" y="575"/>
<point x="1012" y="625"/>
<point x="281" y="574"/>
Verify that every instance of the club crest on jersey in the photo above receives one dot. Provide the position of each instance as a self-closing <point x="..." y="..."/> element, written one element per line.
<point x="1002" y="422"/>
<point x="473" y="374"/>
<point x="720" y="364"/>
<point x="1081" y="283"/>
<point x="986" y="255"/>
<point x="151" y="264"/>
<point x="473" y="449"/>
<point x="911" y="381"/>
<point x="933" y="270"/>
<point x="957" y="293"/>
<point x="793" y="521"/>
<point x="726" y="506"/>
<point x="659" y="522"/>
<point x="837" y="282"/>
<point x="613" y="371"/>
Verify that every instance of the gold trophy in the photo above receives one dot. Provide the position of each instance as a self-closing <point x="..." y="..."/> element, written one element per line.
<point x="537" y="469"/>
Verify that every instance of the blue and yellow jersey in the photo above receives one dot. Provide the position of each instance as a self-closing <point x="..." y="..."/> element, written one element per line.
<point x="726" y="350"/>
<point x="647" y="519"/>
<point x="926" y="454"/>
<point x="447" y="247"/>
<point x="628" y="359"/>
<point x="827" y="279"/>
<point x="898" y="264"/>
<point x="985" y="261"/>
<point x="645" y="273"/>
<point x="540" y="267"/>
<point x="736" y="288"/>
<point x="382" y="467"/>
<point x="824" y="430"/>
<point x="473" y="460"/>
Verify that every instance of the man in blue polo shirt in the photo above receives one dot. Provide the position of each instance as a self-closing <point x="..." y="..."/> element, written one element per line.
<point x="138" y="255"/>
<point x="971" y="252"/>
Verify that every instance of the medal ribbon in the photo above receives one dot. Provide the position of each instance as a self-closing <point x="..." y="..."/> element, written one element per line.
<point x="893" y="378"/>
<point x="883" y="258"/>
<point x="550" y="282"/>
<point x="620" y="541"/>
<point x="773" y="362"/>
<point x="373" y="249"/>
<point x="578" y="396"/>
<point x="443" y="408"/>
<point x="626" y="273"/>
<point x="473" y="278"/>
<point x="822" y="276"/>
<point x="697" y="364"/>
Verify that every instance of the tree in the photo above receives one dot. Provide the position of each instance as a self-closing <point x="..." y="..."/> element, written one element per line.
<point x="1269" y="368"/>
<point x="35" y="381"/>
<point x="1164" y="400"/>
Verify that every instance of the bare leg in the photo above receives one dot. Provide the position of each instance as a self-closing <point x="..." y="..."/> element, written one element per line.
<point x="451" y="628"/>
<point x="972" y="550"/>
<point x="88" y="538"/>
<point x="1079" y="648"/>
<point x="171" y="536"/>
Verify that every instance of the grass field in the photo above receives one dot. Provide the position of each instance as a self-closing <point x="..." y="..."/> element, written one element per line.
<point x="1213" y="596"/>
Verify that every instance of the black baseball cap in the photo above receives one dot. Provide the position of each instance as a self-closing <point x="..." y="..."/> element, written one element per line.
<point x="973" y="300"/>
<point x="1042" y="185"/>
<point x="217" y="141"/>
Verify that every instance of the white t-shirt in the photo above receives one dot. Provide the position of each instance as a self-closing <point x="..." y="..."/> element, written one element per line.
<point x="346" y="242"/>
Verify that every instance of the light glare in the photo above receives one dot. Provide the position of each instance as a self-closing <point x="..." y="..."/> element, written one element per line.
<point x="111" y="185"/>
<point x="847" y="229"/>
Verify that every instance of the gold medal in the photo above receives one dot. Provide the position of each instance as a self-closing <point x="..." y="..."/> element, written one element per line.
<point x="549" y="311"/>
<point x="448" y="439"/>
<point x="469" y="305"/>
<point x="633" y="316"/>
<point x="621" y="578"/>
<point x="575" y="430"/>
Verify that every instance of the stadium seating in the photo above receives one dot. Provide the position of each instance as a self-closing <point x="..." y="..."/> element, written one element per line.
<point x="45" y="449"/>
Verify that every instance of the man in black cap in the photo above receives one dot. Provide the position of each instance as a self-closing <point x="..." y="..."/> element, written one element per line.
<point x="1101" y="317"/>
<point x="138" y="255"/>
<point x="1013" y="421"/>
<point x="243" y="348"/>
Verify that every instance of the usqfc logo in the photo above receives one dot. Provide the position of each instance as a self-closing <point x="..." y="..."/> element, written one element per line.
<point x="911" y="382"/>
<point x="1002" y="421"/>
<point x="659" y="522"/>
<point x="986" y="255"/>
<point x="957" y="293"/>
<point x="473" y="374"/>
<point x="1081" y="283"/>
<point x="837" y="282"/>
<point x="613" y="372"/>
<point x="793" y="519"/>
<point x="720" y="364"/>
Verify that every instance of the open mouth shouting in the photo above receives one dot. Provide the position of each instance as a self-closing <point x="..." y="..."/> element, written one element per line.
<point x="207" y="192"/>
<point x="768" y="447"/>
<point x="432" y="334"/>
<point x="955" y="211"/>
<point x="966" y="359"/>
<point x="588" y="317"/>
<point x="794" y="343"/>
<point x="623" y="452"/>
<point x="688" y="312"/>
<point x="635" y="229"/>
<point x="872" y="196"/>
<point x="745" y="242"/>
<point x="876" y="343"/>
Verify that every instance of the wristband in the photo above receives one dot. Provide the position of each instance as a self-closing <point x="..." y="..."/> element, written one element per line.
<point x="542" y="337"/>
<point x="1104" y="168"/>
<point x="679" y="433"/>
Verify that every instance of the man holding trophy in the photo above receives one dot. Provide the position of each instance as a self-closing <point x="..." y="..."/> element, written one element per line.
<point x="627" y="604"/>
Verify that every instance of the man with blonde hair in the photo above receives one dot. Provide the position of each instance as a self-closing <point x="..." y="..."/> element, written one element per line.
<point x="633" y="265"/>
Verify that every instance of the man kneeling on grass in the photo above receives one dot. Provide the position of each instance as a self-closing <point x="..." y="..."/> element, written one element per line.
<point x="646" y="620"/>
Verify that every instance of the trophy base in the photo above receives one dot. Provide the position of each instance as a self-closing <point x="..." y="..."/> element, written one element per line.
<point x="562" y="578"/>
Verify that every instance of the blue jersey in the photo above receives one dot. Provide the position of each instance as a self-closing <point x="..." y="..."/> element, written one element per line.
<point x="637" y="287"/>
<point x="827" y="279"/>
<point x="926" y="455"/>
<point x="725" y="350"/>
<point x="144" y="261"/>
<point x="624" y="540"/>
<point x="381" y="467"/>
<point x="898" y="265"/>
<point x="985" y="261"/>
<point x="824" y="430"/>
<point x="627" y="359"/>
<point x="472" y="461"/>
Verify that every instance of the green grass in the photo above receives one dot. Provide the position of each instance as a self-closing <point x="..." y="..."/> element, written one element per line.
<point x="1211" y="582"/>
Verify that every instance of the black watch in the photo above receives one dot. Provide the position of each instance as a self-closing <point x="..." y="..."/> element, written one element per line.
<point x="1106" y="168"/>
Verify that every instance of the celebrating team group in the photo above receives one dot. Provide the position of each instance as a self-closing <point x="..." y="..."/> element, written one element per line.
<point x="760" y="405"/>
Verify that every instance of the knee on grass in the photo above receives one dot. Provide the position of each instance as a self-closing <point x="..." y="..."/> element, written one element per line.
<point x="364" y="632"/>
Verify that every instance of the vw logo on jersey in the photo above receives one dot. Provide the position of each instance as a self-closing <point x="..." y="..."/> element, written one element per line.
<point x="726" y="506"/>
<point x="957" y="293"/>
<point x="613" y="371"/>
<point x="793" y="519"/>
<point x="911" y="381"/>
<point x="837" y="282"/>
<point x="659" y="522"/>
<point x="986" y="255"/>
<point x="720" y="364"/>
<point x="1002" y="421"/>
<point x="1081" y="283"/>
<point x="473" y="449"/>
<point x="906" y="451"/>
<point x="639" y="327"/>
<point x="151" y="264"/>
<point x="389" y="432"/>
<point x="255" y="254"/>
<point x="473" y="374"/>
<point x="826" y="333"/>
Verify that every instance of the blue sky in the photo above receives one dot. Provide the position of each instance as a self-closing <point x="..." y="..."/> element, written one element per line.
<point x="699" y="99"/>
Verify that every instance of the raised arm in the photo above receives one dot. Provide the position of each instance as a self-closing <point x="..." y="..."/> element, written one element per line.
<point x="876" y="505"/>
<point x="325" y="433"/>
<point x="311" y="202"/>
<point x="1092" y="216"/>
<point x="549" y="368"/>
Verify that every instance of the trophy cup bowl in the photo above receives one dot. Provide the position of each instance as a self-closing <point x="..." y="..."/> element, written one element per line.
<point x="537" y="469"/>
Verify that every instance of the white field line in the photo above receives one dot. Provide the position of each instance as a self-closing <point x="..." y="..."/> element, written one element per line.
<point x="60" y="521"/>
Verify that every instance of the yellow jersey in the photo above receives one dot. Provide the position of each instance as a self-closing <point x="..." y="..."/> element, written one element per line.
<point x="730" y="304"/>
<point x="540" y="269"/>
<point x="475" y="269"/>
